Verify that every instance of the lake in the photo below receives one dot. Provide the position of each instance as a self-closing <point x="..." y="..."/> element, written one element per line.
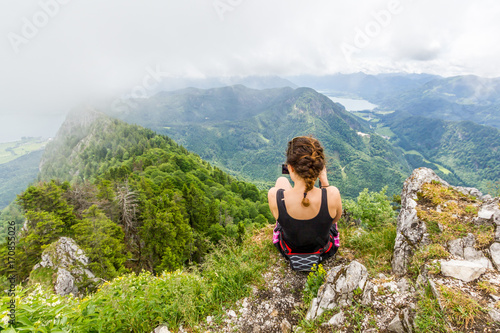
<point x="353" y="104"/>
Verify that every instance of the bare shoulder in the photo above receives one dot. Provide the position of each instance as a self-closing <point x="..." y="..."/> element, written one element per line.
<point x="272" y="192"/>
<point x="333" y="192"/>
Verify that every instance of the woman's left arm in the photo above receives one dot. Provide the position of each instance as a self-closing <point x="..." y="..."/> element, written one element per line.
<point x="334" y="205"/>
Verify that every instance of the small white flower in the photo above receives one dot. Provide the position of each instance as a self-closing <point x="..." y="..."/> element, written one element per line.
<point x="5" y="320"/>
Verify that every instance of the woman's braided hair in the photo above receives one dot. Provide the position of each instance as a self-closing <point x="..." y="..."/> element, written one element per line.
<point x="305" y="155"/>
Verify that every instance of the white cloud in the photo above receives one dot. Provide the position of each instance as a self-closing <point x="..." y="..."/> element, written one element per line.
<point x="90" y="49"/>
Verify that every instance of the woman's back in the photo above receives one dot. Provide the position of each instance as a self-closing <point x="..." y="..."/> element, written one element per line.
<point x="304" y="230"/>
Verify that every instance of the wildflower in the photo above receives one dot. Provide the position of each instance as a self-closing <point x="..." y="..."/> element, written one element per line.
<point x="5" y="320"/>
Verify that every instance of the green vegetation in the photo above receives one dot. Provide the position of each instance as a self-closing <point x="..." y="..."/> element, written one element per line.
<point x="137" y="201"/>
<point x="140" y="302"/>
<point x="429" y="317"/>
<point x="460" y="308"/>
<point x="372" y="208"/>
<point x="11" y="150"/>
<point x="314" y="280"/>
<point x="454" y="219"/>
<point x="424" y="255"/>
<point x="469" y="152"/>
<point x="373" y="243"/>
<point x="246" y="132"/>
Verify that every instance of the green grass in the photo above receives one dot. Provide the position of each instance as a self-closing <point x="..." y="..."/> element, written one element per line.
<point x="440" y="167"/>
<point x="384" y="130"/>
<point x="139" y="303"/>
<point x="429" y="317"/>
<point x="11" y="150"/>
<point x="372" y="248"/>
<point x="462" y="309"/>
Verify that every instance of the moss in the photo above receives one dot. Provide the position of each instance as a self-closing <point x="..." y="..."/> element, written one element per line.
<point x="45" y="276"/>
<point x="455" y="217"/>
<point x="425" y="254"/>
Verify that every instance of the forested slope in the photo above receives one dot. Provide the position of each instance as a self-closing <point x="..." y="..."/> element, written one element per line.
<point x="472" y="151"/>
<point x="246" y="131"/>
<point x="131" y="198"/>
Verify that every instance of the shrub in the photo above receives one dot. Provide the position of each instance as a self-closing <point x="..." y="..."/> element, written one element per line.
<point x="374" y="209"/>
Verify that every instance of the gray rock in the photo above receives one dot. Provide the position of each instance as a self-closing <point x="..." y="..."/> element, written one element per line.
<point x="436" y="293"/>
<point x="471" y="254"/>
<point x="495" y="315"/>
<point x="65" y="283"/>
<point x="411" y="232"/>
<point x="456" y="248"/>
<point x="337" y="320"/>
<point x="497" y="233"/>
<point x="407" y="323"/>
<point x="286" y="327"/>
<point x="69" y="262"/>
<point x="367" y="293"/>
<point x="463" y="270"/>
<point x="495" y="254"/>
<point x="403" y="285"/>
<point x="338" y="290"/>
<point x="489" y="213"/>
<point x="161" y="329"/>
<point x="396" y="325"/>
<point x="469" y="191"/>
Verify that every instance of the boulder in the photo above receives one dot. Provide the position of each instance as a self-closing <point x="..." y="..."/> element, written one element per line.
<point x="456" y="246"/>
<point x="396" y="325"/>
<point x="64" y="266"/>
<point x="470" y="191"/>
<point x="489" y="213"/>
<point x="462" y="269"/>
<point x="411" y="232"/>
<point x="495" y="254"/>
<point x="337" y="320"/>
<point x="343" y="282"/>
<point x="495" y="315"/>
<point x="161" y="329"/>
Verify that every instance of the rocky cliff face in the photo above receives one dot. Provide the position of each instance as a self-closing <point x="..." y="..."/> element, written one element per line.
<point x="64" y="268"/>
<point x="453" y="207"/>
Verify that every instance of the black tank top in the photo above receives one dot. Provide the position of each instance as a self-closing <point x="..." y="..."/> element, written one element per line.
<point x="305" y="236"/>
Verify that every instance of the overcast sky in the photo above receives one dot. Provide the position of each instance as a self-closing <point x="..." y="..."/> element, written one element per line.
<point x="57" y="54"/>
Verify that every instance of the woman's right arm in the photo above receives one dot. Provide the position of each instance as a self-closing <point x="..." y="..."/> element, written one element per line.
<point x="271" y="198"/>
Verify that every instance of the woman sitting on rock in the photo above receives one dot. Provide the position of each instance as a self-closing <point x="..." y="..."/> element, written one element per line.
<point x="306" y="216"/>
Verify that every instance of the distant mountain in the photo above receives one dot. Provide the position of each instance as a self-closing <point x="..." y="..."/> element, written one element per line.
<point x="470" y="151"/>
<point x="255" y="82"/>
<point x="456" y="98"/>
<point x="370" y="87"/>
<point x="16" y="175"/>
<point x="245" y="131"/>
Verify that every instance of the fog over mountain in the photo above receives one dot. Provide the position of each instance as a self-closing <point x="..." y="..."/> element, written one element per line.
<point x="55" y="54"/>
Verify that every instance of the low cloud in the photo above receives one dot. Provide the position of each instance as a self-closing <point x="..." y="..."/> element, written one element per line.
<point x="88" y="50"/>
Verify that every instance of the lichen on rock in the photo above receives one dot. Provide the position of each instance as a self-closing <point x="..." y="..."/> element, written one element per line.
<point x="64" y="268"/>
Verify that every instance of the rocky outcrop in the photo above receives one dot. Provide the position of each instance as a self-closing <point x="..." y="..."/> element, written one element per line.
<point x="338" y="291"/>
<point x="64" y="266"/>
<point x="349" y="286"/>
<point x="411" y="231"/>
